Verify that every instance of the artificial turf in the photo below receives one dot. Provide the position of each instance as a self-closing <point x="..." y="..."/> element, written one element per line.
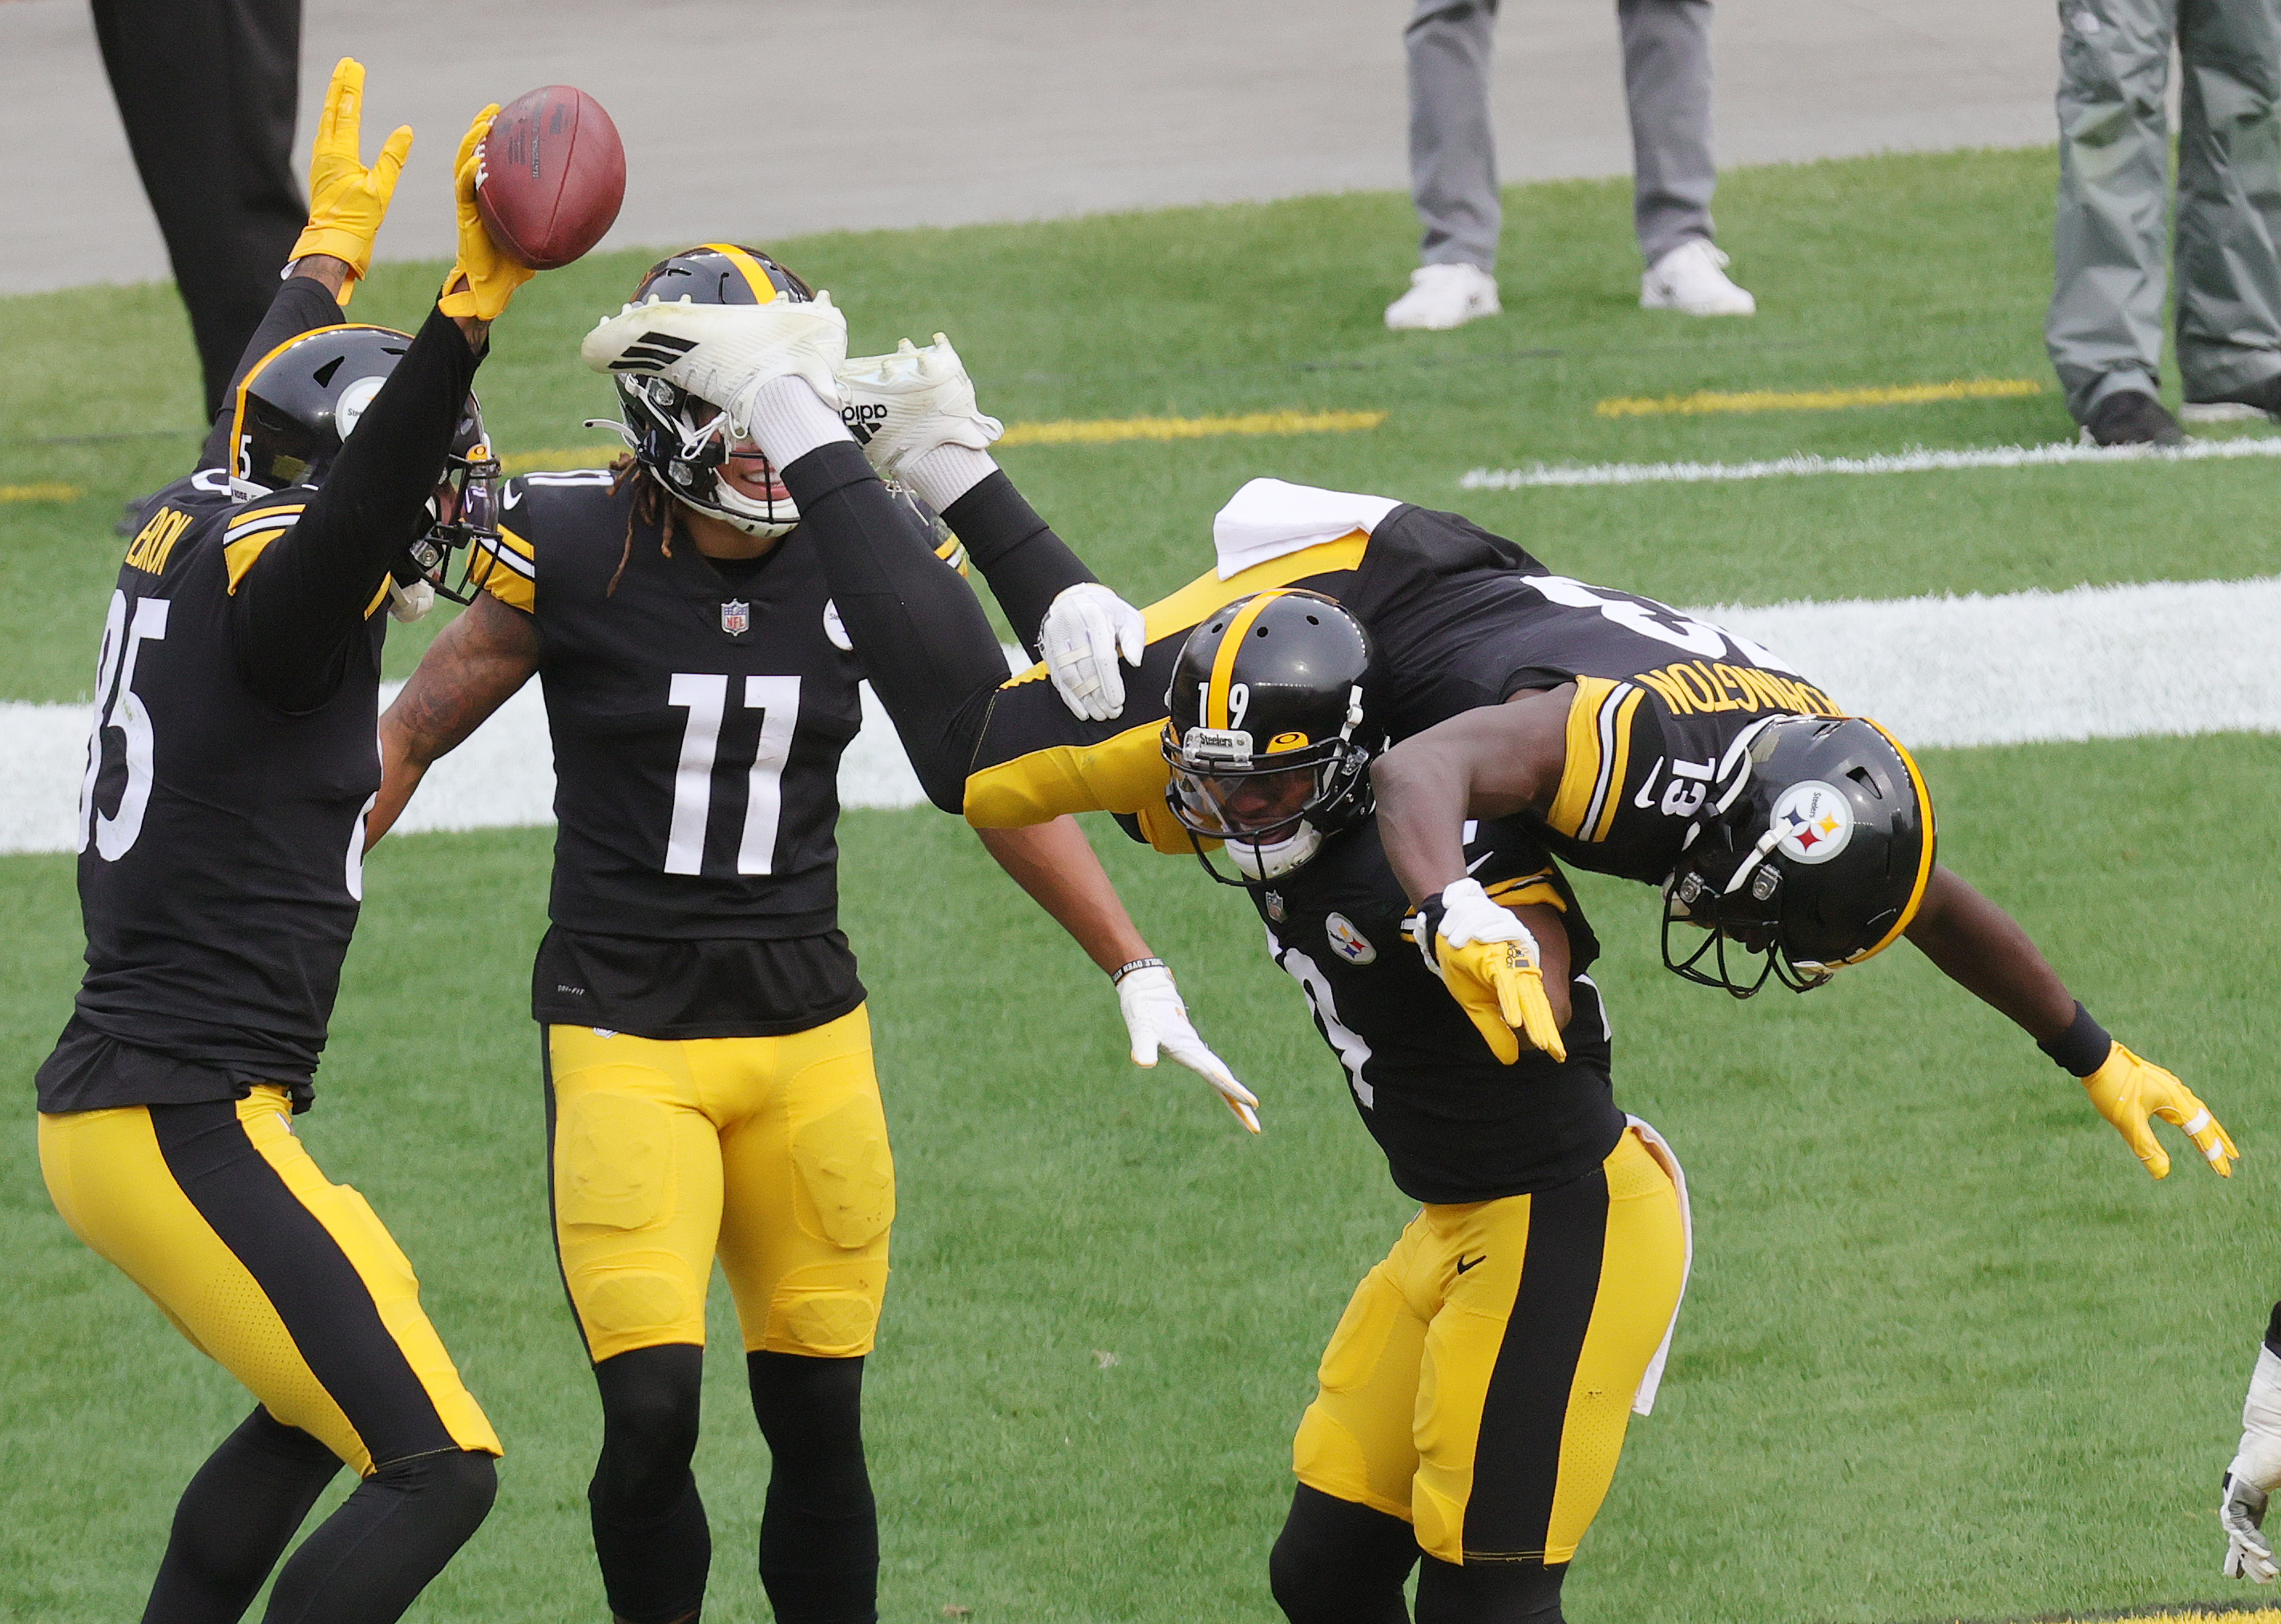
<point x="1947" y="1352"/>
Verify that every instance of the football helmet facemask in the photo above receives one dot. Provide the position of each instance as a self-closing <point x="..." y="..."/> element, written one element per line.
<point x="1264" y="738"/>
<point x="298" y="408"/>
<point x="1815" y="858"/>
<point x="681" y="441"/>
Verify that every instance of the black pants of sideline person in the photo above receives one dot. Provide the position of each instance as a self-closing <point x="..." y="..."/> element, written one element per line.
<point x="208" y="90"/>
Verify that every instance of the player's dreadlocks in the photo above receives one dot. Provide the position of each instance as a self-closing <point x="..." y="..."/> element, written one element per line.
<point x="650" y="506"/>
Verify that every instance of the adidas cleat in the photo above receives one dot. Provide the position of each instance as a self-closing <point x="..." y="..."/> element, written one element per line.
<point x="724" y="353"/>
<point x="907" y="404"/>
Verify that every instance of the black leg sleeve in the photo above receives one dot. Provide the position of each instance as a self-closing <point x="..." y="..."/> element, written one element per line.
<point x="923" y="641"/>
<point x="820" y="1532"/>
<point x="650" y="1534"/>
<point x="1018" y="553"/>
<point x="234" y="1520"/>
<point x="208" y="90"/>
<point x="1481" y="1592"/>
<point x="367" y="1562"/>
<point x="1338" y="1563"/>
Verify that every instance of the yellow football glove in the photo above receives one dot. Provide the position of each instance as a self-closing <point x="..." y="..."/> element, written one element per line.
<point x="484" y="279"/>
<point x="2129" y="1091"/>
<point x="1488" y="960"/>
<point x="347" y="201"/>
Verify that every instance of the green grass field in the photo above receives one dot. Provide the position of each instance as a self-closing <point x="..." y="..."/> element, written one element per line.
<point x="1947" y="1354"/>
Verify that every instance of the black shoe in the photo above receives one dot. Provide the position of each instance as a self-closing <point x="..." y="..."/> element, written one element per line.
<point x="2131" y="417"/>
<point x="2260" y="399"/>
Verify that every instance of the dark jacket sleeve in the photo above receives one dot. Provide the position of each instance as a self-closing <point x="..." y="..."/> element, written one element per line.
<point x="298" y="607"/>
<point x="302" y="306"/>
<point x="1018" y="553"/>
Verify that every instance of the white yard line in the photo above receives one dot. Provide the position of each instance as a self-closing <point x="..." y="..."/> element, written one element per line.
<point x="2093" y="662"/>
<point x="1919" y="461"/>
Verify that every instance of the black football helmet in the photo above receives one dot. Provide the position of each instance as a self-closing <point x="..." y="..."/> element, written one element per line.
<point x="1816" y="858"/>
<point x="301" y="402"/>
<point x="1264" y="738"/>
<point x="680" y="440"/>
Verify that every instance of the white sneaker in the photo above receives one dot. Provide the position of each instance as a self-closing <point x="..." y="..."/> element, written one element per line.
<point x="1692" y="277"/>
<point x="724" y="353"/>
<point x="902" y="406"/>
<point x="1445" y="296"/>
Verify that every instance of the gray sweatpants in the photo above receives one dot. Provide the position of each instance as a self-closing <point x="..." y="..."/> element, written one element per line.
<point x="1453" y="149"/>
<point x="2104" y="328"/>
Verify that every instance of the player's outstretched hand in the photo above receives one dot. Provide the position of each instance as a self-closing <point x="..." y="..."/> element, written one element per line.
<point x="2131" y="1091"/>
<point x="347" y="201"/>
<point x="1156" y="1018"/>
<point x="913" y="401"/>
<point x="1086" y="631"/>
<point x="484" y="278"/>
<point x="1487" y="958"/>
<point x="2241" y="1514"/>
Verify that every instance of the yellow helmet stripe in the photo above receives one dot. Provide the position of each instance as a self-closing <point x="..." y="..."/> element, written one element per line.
<point x="754" y="272"/>
<point x="1924" y="857"/>
<point x="1223" y="671"/>
<point x="237" y="409"/>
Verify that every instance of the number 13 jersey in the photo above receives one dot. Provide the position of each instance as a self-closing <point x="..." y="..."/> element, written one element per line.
<point x="699" y="712"/>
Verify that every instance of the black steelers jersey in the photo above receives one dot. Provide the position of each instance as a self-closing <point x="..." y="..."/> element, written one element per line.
<point x="1461" y="619"/>
<point x="221" y="839"/>
<point x="1455" y="1124"/>
<point x="698" y="713"/>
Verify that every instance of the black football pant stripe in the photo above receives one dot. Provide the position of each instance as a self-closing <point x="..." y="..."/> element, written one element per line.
<point x="326" y="1306"/>
<point x="1517" y="1457"/>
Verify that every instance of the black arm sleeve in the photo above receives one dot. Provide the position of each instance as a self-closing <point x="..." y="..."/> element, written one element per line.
<point x="302" y="306"/>
<point x="922" y="638"/>
<point x="1026" y="563"/>
<point x="296" y="609"/>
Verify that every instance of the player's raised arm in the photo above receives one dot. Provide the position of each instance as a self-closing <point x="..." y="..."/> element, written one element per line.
<point x="1058" y="867"/>
<point x="475" y="665"/>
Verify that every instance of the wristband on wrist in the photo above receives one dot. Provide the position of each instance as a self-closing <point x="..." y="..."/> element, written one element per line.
<point x="2082" y="1047"/>
<point x="1123" y="970"/>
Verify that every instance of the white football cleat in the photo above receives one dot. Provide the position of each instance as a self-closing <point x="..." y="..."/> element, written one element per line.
<point x="1444" y="296"/>
<point x="1692" y="278"/>
<point x="724" y="353"/>
<point x="907" y="404"/>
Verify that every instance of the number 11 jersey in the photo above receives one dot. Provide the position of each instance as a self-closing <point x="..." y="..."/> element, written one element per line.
<point x="699" y="712"/>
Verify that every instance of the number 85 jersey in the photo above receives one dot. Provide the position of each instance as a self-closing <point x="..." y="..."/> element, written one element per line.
<point x="697" y="715"/>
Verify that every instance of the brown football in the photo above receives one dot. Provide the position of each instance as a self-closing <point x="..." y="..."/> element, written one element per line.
<point x="551" y="175"/>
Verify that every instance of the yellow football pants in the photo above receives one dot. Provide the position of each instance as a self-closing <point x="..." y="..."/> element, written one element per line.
<point x="770" y="1152"/>
<point x="287" y="1281"/>
<point x="1480" y="1382"/>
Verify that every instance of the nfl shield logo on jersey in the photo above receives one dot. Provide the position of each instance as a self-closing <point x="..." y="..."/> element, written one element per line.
<point x="736" y="616"/>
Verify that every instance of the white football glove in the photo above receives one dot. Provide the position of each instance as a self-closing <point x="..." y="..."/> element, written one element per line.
<point x="1083" y="634"/>
<point x="2255" y="1471"/>
<point x="1156" y="1018"/>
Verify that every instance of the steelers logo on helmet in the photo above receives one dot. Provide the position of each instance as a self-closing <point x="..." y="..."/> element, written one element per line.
<point x="1265" y="737"/>
<point x="1812" y="821"/>
<point x="1816" y="856"/>
<point x="681" y="441"/>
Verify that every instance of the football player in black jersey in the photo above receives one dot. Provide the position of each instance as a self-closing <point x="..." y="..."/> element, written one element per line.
<point x="707" y="1051"/>
<point x="1745" y="751"/>
<point x="219" y="872"/>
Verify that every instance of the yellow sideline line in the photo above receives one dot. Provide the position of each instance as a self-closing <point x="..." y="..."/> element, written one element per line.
<point x="1106" y="431"/>
<point x="1817" y="399"/>
<point x="1094" y="432"/>
<point x="48" y="491"/>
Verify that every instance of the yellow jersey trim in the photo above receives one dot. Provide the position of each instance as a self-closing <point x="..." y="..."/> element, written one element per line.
<point x="237" y="556"/>
<point x="1599" y="748"/>
<point x="508" y="571"/>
